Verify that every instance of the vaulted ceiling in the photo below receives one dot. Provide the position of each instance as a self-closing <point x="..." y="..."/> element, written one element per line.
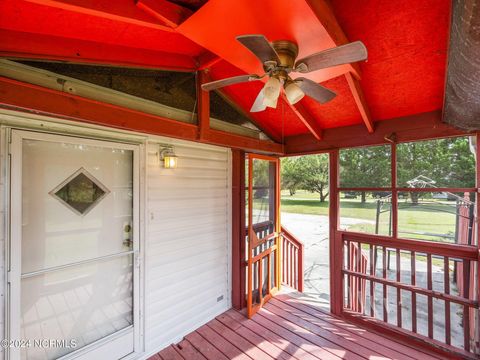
<point x="407" y="44"/>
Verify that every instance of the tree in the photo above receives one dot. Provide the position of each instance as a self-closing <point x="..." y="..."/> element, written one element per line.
<point x="291" y="174"/>
<point x="449" y="162"/>
<point x="314" y="173"/>
<point x="261" y="178"/>
<point x="365" y="167"/>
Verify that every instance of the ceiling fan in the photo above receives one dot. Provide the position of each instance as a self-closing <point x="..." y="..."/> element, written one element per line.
<point x="279" y="60"/>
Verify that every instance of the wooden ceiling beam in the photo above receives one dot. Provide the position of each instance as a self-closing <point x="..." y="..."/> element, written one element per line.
<point x="422" y="126"/>
<point x="23" y="45"/>
<point x="203" y="101"/>
<point x="206" y="60"/>
<point x="123" y="11"/>
<point x="359" y="98"/>
<point x="39" y="100"/>
<point x="325" y="15"/>
<point x="305" y="117"/>
<point x="167" y="12"/>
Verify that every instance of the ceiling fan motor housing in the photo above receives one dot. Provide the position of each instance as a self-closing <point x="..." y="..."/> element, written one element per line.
<point x="287" y="53"/>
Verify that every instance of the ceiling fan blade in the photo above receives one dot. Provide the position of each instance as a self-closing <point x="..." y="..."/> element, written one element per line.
<point x="258" y="104"/>
<point x="260" y="47"/>
<point x="228" y="81"/>
<point x="314" y="90"/>
<point x="344" y="54"/>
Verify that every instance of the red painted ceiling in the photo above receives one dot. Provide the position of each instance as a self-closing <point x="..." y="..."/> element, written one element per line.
<point x="406" y="40"/>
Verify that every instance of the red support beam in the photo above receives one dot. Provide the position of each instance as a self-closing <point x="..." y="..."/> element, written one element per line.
<point x="122" y="11"/>
<point x="32" y="98"/>
<point x="238" y="229"/>
<point x="477" y="227"/>
<point x="325" y="15"/>
<point x="207" y="60"/>
<point x="359" y="98"/>
<point x="305" y="117"/>
<point x="409" y="128"/>
<point x="169" y="13"/>
<point x="22" y="45"/>
<point x="335" y="242"/>
<point x="203" y="100"/>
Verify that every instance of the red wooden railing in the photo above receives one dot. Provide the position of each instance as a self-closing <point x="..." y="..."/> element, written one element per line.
<point x="357" y="287"/>
<point x="292" y="261"/>
<point x="419" y="267"/>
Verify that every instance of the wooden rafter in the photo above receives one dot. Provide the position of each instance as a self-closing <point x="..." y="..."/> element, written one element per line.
<point x="325" y="15"/>
<point x="167" y="12"/>
<point x="408" y="128"/>
<point x="121" y="11"/>
<point x="22" y="45"/>
<point x="359" y="98"/>
<point x="207" y="60"/>
<point x="306" y="118"/>
<point x="203" y="100"/>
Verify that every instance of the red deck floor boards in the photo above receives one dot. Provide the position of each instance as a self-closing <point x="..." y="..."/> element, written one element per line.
<point x="287" y="328"/>
<point x="357" y="342"/>
<point x="260" y="342"/>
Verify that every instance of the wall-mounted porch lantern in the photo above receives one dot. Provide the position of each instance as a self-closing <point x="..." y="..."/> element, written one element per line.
<point x="168" y="157"/>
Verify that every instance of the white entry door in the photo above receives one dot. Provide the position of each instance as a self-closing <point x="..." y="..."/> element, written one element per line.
<point x="73" y="247"/>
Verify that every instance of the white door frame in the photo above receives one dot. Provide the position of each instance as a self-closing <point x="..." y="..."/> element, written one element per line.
<point x="13" y="245"/>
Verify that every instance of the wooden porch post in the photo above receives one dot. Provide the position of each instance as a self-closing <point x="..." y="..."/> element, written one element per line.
<point x="238" y="229"/>
<point x="336" y="254"/>
<point x="477" y="235"/>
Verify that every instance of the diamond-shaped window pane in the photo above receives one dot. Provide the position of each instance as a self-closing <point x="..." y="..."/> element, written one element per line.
<point x="80" y="192"/>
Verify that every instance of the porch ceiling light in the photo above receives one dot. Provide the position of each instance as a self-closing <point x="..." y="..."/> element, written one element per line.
<point x="168" y="157"/>
<point x="271" y="92"/>
<point x="293" y="92"/>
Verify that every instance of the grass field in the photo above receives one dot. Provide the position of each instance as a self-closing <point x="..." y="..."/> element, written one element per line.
<point x="430" y="220"/>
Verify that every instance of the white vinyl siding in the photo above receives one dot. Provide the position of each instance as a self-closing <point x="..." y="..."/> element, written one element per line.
<point x="187" y="241"/>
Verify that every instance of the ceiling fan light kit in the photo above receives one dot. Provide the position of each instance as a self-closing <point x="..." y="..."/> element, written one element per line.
<point x="293" y="92"/>
<point x="271" y="92"/>
<point x="279" y="59"/>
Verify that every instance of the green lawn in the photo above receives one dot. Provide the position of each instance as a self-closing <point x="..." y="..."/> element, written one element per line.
<point x="427" y="220"/>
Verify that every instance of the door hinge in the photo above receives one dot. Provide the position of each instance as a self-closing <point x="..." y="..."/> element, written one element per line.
<point x="9" y="277"/>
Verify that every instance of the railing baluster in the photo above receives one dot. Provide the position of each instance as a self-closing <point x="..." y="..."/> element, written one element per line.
<point x="295" y="286"/>
<point x="355" y="273"/>
<point x="399" y="292"/>
<point x="291" y="265"/>
<point x="446" y="286"/>
<point x="466" y="312"/>
<point x="349" y="267"/>
<point x="359" y="280"/>
<point x="260" y="280"/>
<point x="269" y="275"/>
<point x="255" y="276"/>
<point x="430" y="299"/>
<point x="414" y="295"/>
<point x="283" y="258"/>
<point x="372" y="284"/>
<point x="385" y="293"/>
